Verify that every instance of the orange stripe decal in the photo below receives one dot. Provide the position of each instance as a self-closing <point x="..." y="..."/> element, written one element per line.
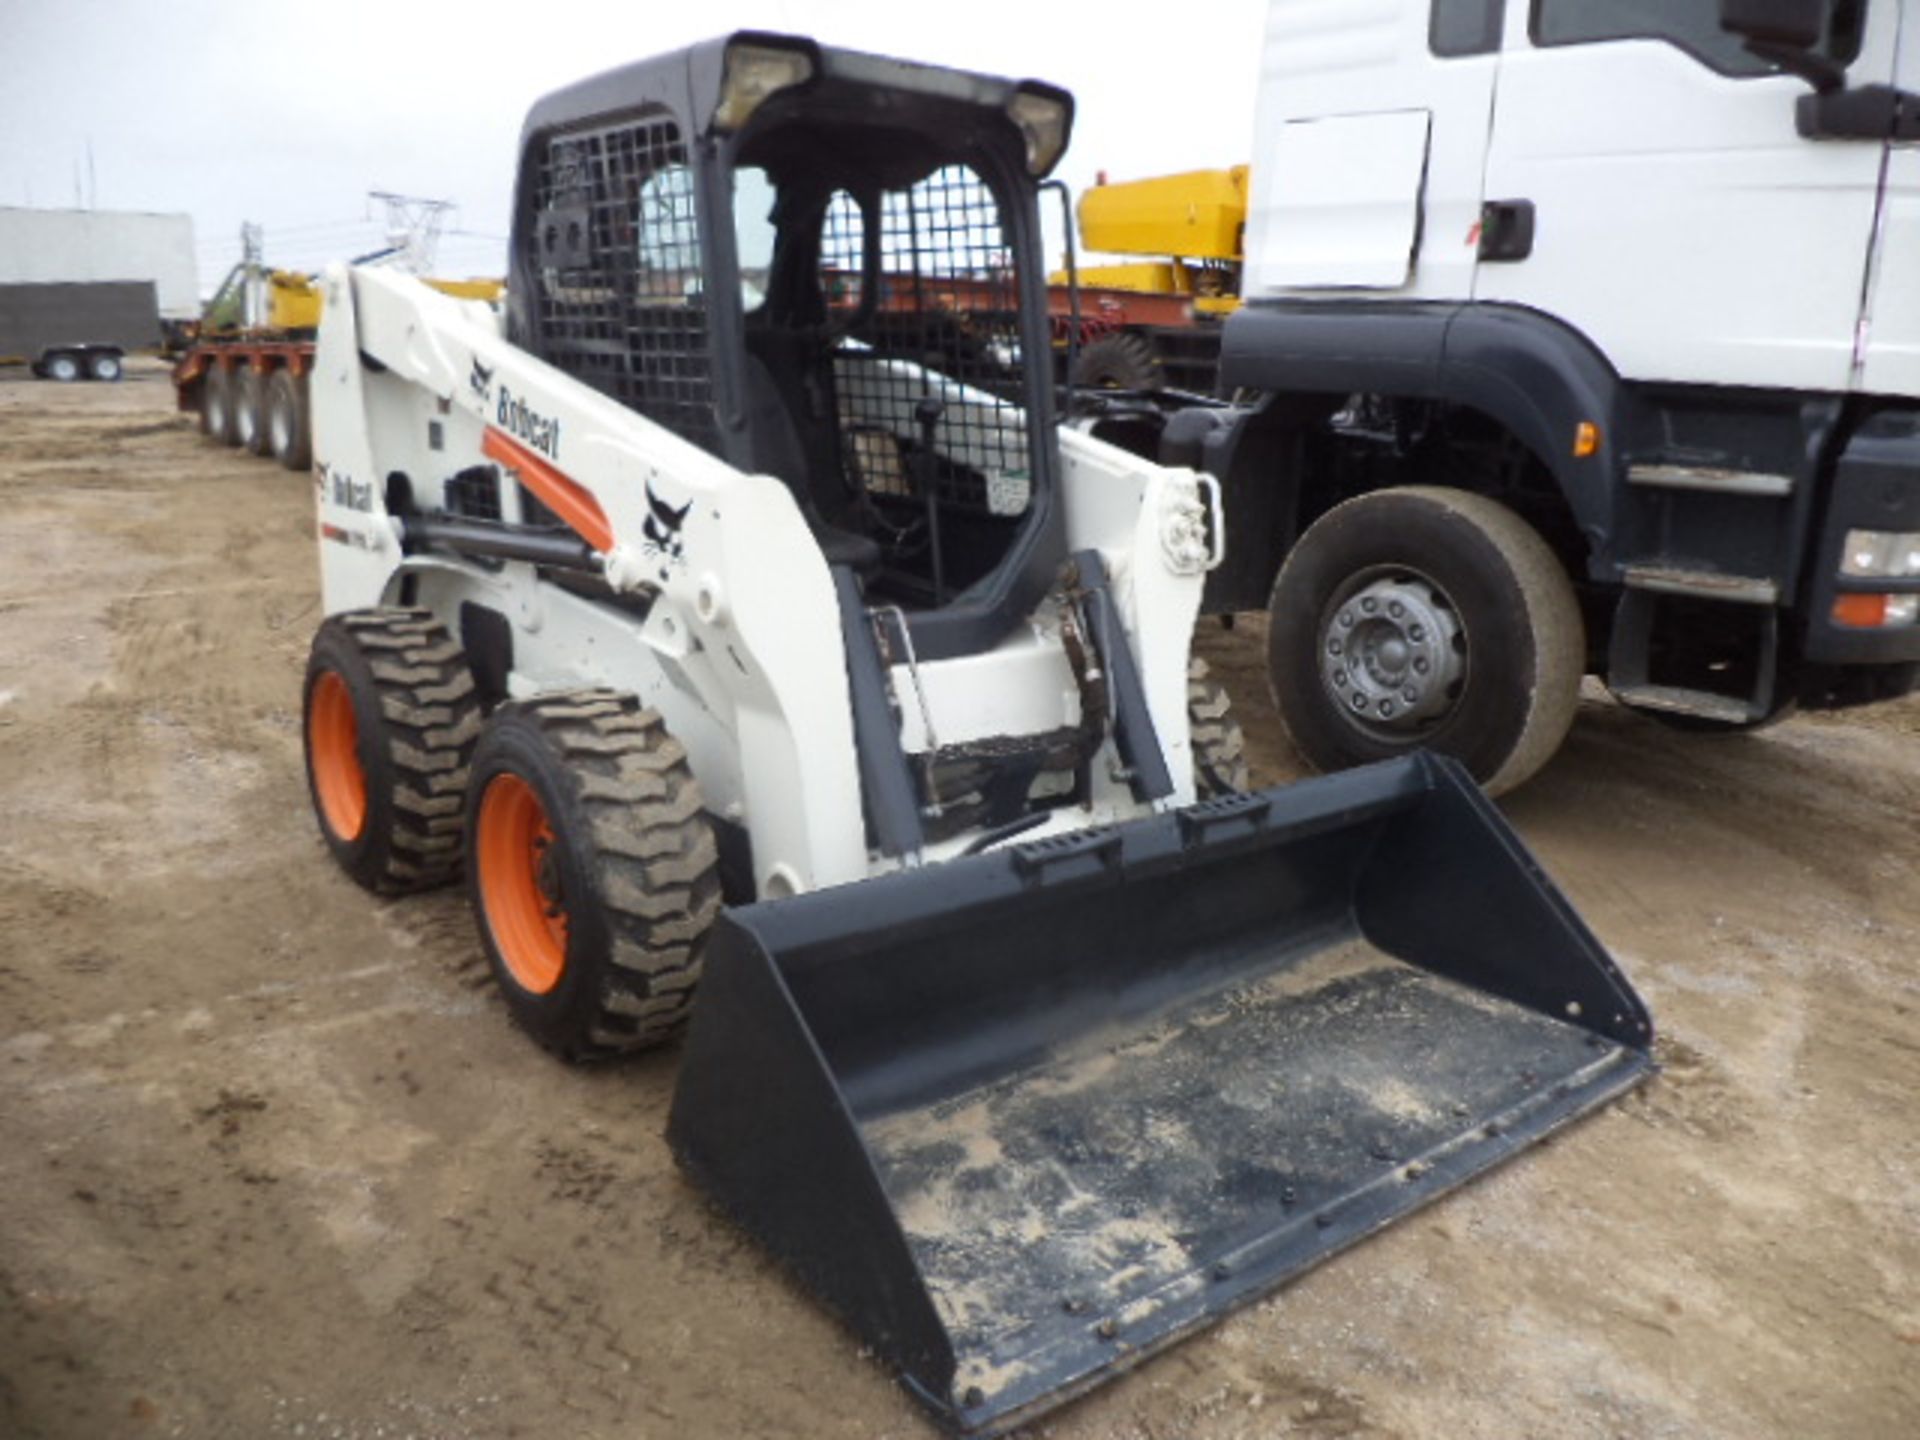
<point x="571" y="501"/>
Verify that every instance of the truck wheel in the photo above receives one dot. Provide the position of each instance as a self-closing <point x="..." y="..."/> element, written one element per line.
<point x="61" y="366"/>
<point x="391" y="718"/>
<point x="250" y="411"/>
<point x="1219" y="747"/>
<point x="218" y="403"/>
<point x="1118" y="362"/>
<point x="594" y="873"/>
<point x="1426" y="617"/>
<point x="289" y="439"/>
<point x="106" y="366"/>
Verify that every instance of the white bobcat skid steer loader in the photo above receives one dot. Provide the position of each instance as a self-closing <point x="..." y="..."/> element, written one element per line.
<point x="744" y="563"/>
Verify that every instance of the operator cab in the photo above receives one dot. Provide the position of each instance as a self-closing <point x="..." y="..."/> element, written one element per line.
<point x="821" y="266"/>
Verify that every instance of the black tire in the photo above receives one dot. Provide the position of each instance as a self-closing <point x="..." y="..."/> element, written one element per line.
<point x="289" y="432"/>
<point x="250" y="411"/>
<point x="219" y="402"/>
<point x="1118" y="362"/>
<point x="60" y="367"/>
<point x="105" y="366"/>
<point x="629" y="866"/>
<point x="1498" y="662"/>
<point x="415" y="716"/>
<point x="1219" y="747"/>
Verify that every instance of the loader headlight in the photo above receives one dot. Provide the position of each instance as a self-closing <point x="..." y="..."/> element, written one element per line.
<point x="1043" y="120"/>
<point x="753" y="73"/>
<point x="1882" y="555"/>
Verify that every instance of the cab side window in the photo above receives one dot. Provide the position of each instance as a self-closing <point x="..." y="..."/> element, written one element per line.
<point x="1466" y="27"/>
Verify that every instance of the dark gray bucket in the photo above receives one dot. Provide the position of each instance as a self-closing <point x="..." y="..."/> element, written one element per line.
<point x="1025" y="1118"/>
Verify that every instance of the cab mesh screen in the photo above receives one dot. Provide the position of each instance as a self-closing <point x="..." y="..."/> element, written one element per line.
<point x="616" y="245"/>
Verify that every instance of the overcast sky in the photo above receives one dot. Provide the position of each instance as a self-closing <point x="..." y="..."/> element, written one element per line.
<point x="288" y="115"/>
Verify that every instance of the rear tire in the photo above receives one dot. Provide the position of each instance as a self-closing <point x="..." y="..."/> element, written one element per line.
<point x="250" y="411"/>
<point x="289" y="436"/>
<point x="391" y="716"/>
<point x="105" y="367"/>
<point x="218" y="402"/>
<point x="594" y="872"/>
<point x="1118" y="362"/>
<point x="1219" y="747"/>
<point x="1447" y="623"/>
<point x="61" y="367"/>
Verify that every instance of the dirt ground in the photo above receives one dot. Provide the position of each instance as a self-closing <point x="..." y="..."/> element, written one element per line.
<point x="273" y="1162"/>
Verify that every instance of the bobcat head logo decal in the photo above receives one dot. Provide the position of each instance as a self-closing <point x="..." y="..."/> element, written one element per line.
<point x="481" y="381"/>
<point x="662" y="530"/>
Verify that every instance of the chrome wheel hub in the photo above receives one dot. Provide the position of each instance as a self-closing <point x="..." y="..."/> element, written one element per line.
<point x="1393" y="654"/>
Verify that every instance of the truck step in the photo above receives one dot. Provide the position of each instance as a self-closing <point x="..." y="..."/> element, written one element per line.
<point x="1704" y="704"/>
<point x="1712" y="478"/>
<point x="1703" y="584"/>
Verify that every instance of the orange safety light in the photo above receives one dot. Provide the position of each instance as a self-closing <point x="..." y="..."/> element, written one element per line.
<point x="1586" y="440"/>
<point x="1861" y="612"/>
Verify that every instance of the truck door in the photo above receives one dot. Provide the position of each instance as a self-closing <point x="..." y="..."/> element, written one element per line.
<point x="1680" y="220"/>
<point x="1372" y="134"/>
<point x="1891" y="329"/>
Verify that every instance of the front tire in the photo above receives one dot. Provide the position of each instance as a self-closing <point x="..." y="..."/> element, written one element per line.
<point x="391" y="716"/>
<point x="1426" y="617"/>
<point x="594" y="871"/>
<point x="61" y="368"/>
<point x="105" y="366"/>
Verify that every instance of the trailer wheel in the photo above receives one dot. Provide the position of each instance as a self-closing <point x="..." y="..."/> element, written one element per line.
<point x="1426" y="617"/>
<point x="391" y="719"/>
<point x="104" y="365"/>
<point x="61" y="366"/>
<point x="1118" y="362"/>
<point x="1219" y="747"/>
<point x="250" y="411"/>
<point x="594" y="872"/>
<point x="218" y="403"/>
<point x="289" y="438"/>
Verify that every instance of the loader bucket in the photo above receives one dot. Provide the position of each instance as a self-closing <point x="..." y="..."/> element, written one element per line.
<point x="1025" y="1118"/>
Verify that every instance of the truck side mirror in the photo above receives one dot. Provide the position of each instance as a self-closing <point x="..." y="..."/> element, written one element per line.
<point x="1775" y="24"/>
<point x="1787" y="32"/>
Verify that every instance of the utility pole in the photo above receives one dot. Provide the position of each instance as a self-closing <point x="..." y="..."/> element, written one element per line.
<point x="413" y="227"/>
<point x="253" y="291"/>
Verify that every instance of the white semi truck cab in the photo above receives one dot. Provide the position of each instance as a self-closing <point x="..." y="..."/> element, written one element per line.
<point x="1586" y="336"/>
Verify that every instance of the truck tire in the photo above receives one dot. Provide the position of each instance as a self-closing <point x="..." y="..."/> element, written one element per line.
<point x="1118" y="362"/>
<point x="289" y="436"/>
<point x="594" y="873"/>
<point x="391" y="717"/>
<point x="106" y="366"/>
<point x="61" y="367"/>
<point x="1426" y="617"/>
<point x="219" y="394"/>
<point x="1219" y="747"/>
<point x="250" y="411"/>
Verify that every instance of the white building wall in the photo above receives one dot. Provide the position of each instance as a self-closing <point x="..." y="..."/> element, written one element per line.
<point x="46" y="246"/>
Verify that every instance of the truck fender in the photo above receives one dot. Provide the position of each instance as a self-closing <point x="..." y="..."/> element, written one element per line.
<point x="1538" y="377"/>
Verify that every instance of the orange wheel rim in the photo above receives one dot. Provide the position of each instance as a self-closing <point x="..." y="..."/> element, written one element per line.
<point x="520" y="883"/>
<point x="333" y="752"/>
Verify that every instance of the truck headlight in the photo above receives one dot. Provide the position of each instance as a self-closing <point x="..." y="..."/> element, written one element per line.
<point x="1882" y="555"/>
<point x="753" y="73"/>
